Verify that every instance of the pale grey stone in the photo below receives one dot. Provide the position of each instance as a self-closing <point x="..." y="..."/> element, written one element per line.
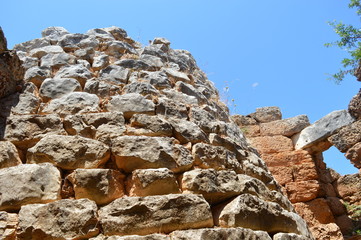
<point x="71" y="42"/>
<point x="52" y="88"/>
<point x="37" y="75"/>
<point x="40" y="52"/>
<point x="115" y="74"/>
<point x="186" y="131"/>
<point x="54" y="33"/>
<point x="56" y="60"/>
<point x="177" y="75"/>
<point x="100" y="34"/>
<point x="183" y="59"/>
<point x="171" y="109"/>
<point x="72" y="103"/>
<point x="158" y="79"/>
<point x="141" y="88"/>
<point x="154" y="63"/>
<point x="27" y="103"/>
<point x="118" y="48"/>
<point x="28" y="183"/>
<point x="69" y="152"/>
<point x="130" y="104"/>
<point x="286" y="127"/>
<point x="191" y="91"/>
<point x="63" y="219"/>
<point x="101" y="88"/>
<point x="180" y="97"/>
<point x="117" y="33"/>
<point x="79" y="72"/>
<point x="154" y="125"/>
<point x="140" y="152"/>
<point x="29" y="62"/>
<point x="160" y="40"/>
<point x="267" y="114"/>
<point x="84" y="63"/>
<point x="322" y="129"/>
<point x="289" y="236"/>
<point x="165" y="213"/>
<point x="134" y="64"/>
<point x="32" y="44"/>
<point x="9" y="155"/>
<point x="157" y="50"/>
<point x="100" y="62"/>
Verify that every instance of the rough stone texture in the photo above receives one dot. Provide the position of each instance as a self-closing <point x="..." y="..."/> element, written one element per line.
<point x="323" y="128"/>
<point x="57" y="87"/>
<point x="132" y="152"/>
<point x="69" y="152"/>
<point x="354" y="154"/>
<point x="302" y="191"/>
<point x="348" y="188"/>
<point x="151" y="125"/>
<point x="250" y="212"/>
<point x="166" y="213"/>
<point x="147" y="182"/>
<point x="9" y="155"/>
<point x="288" y="236"/>
<point x="354" y="106"/>
<point x="272" y="144"/>
<point x="99" y="185"/>
<point x="25" y="131"/>
<point x="34" y="184"/>
<point x="63" y="219"/>
<point x="219" y="233"/>
<point x="267" y="114"/>
<point x="8" y="223"/>
<point x="347" y="136"/>
<point x="285" y="127"/>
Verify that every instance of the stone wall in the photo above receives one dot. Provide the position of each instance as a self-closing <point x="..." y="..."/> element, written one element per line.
<point x="111" y="140"/>
<point x="292" y="149"/>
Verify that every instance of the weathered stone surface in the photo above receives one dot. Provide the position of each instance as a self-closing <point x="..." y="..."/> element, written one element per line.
<point x="220" y="233"/>
<point x="152" y="125"/>
<point x="117" y="32"/>
<point x="118" y="48"/>
<point x="11" y="73"/>
<point x="176" y="75"/>
<point x="235" y="147"/>
<point x="218" y="158"/>
<point x="336" y="206"/>
<point x="101" y="126"/>
<point x="315" y="212"/>
<point x="302" y="191"/>
<point x="323" y="128"/>
<point x="140" y="152"/>
<point x="154" y="214"/>
<point x="78" y="71"/>
<point x="144" y="89"/>
<point x="327" y="231"/>
<point x="348" y="187"/>
<point x="3" y="41"/>
<point x="71" y="42"/>
<point x="73" y="103"/>
<point x="242" y="120"/>
<point x="347" y="136"/>
<point x="250" y="212"/>
<point x="99" y="185"/>
<point x="35" y="183"/>
<point x="42" y="51"/>
<point x="54" y="33"/>
<point x="101" y="88"/>
<point x="286" y="127"/>
<point x="191" y="91"/>
<point x="131" y="104"/>
<point x="267" y="114"/>
<point x="56" y="60"/>
<point x="289" y="236"/>
<point x="272" y="144"/>
<point x="158" y="79"/>
<point x="8" y="223"/>
<point x="37" y="75"/>
<point x="354" y="154"/>
<point x="57" y="87"/>
<point x="154" y="63"/>
<point x="29" y="45"/>
<point x="354" y="106"/>
<point x="169" y="108"/>
<point x="9" y="155"/>
<point x="154" y="236"/>
<point x="147" y="182"/>
<point x="100" y="62"/>
<point x="69" y="152"/>
<point x="63" y="219"/>
<point x="186" y="131"/>
<point x="180" y="97"/>
<point x="26" y="130"/>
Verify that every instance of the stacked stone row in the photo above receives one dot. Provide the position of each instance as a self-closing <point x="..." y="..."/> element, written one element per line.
<point x="108" y="139"/>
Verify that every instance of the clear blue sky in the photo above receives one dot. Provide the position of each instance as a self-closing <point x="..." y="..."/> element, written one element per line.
<point x="269" y="53"/>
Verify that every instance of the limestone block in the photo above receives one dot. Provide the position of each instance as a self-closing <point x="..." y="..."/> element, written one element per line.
<point x="69" y="152"/>
<point x="347" y="136"/>
<point x="99" y="185"/>
<point x="158" y="50"/>
<point x="73" y="103"/>
<point x="52" y="88"/>
<point x="63" y="219"/>
<point x="32" y="44"/>
<point x="302" y="191"/>
<point x="155" y="125"/>
<point x="176" y="75"/>
<point x="183" y="59"/>
<point x="289" y="236"/>
<point x="271" y="144"/>
<point x="54" y="33"/>
<point x="20" y="104"/>
<point x="8" y="223"/>
<point x="71" y="42"/>
<point x="42" y="51"/>
<point x="100" y="62"/>
<point x="237" y="148"/>
<point x="169" y="108"/>
<point x="141" y="152"/>
<point x="267" y="114"/>
<point x="26" y="130"/>
<point x="354" y="106"/>
<point x="191" y="91"/>
<point x="286" y="127"/>
<point x="147" y="182"/>
<point x="37" y="75"/>
<point x="28" y="62"/>
<point x="154" y="214"/>
<point x="251" y="212"/>
<point x="35" y="183"/>
<point x="117" y="32"/>
<point x="186" y="131"/>
<point x="218" y="158"/>
<point x="155" y="63"/>
<point x="56" y="60"/>
<point x="220" y="233"/>
<point x="155" y="236"/>
<point x="103" y="126"/>
<point x="131" y="104"/>
<point x="327" y="231"/>
<point x="323" y="128"/>
<point x="9" y="155"/>
<point x="336" y="206"/>
<point x="354" y="155"/>
<point x="141" y="88"/>
<point x="157" y="79"/>
<point x="348" y="187"/>
<point x="242" y="120"/>
<point x="78" y="72"/>
<point x="180" y="97"/>
<point x="118" y="48"/>
<point x="204" y="119"/>
<point x="135" y="64"/>
<point x="101" y="88"/>
<point x="100" y="34"/>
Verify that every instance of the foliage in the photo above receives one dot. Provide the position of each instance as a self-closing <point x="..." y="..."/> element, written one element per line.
<point x="350" y="37"/>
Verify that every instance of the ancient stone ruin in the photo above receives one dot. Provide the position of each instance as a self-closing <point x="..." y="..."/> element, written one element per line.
<point x="292" y="149"/>
<point x="102" y="138"/>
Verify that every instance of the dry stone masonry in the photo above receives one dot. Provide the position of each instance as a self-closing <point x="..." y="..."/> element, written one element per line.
<point x="105" y="139"/>
<point x="292" y="149"/>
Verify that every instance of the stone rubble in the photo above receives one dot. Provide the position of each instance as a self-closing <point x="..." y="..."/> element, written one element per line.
<point x="106" y="139"/>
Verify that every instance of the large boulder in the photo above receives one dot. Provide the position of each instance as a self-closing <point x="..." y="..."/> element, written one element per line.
<point x="9" y="155"/>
